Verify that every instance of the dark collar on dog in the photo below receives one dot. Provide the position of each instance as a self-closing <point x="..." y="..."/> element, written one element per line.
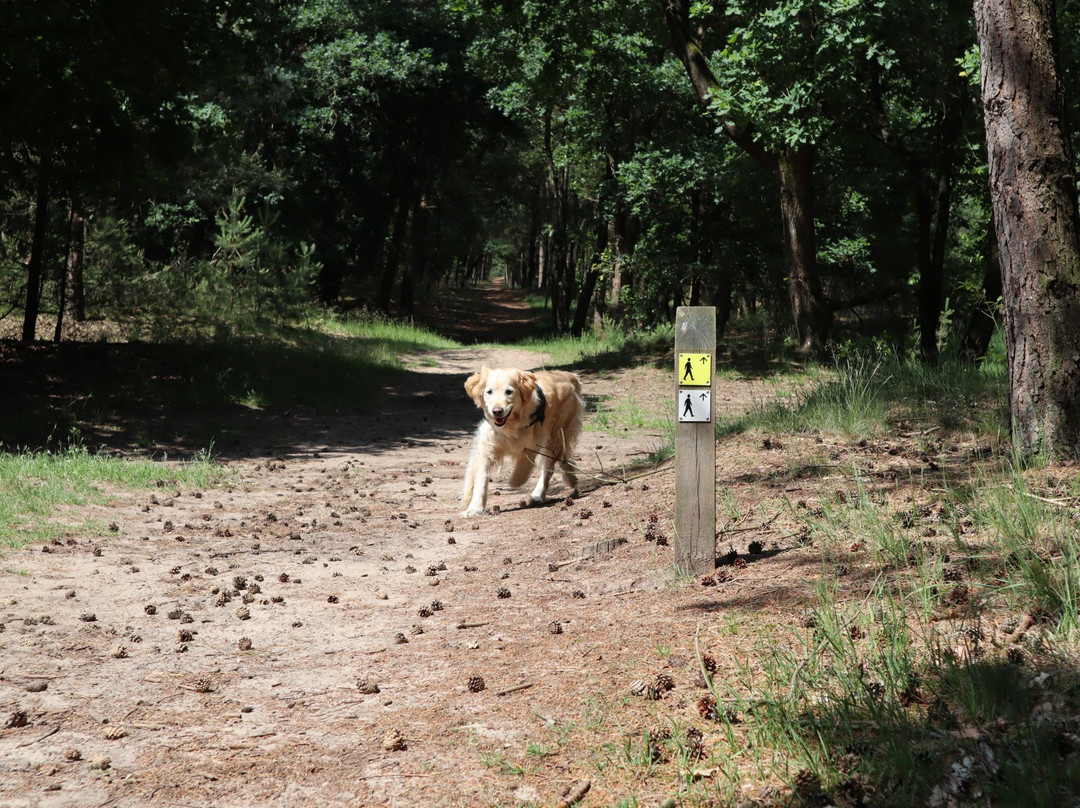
<point x="538" y="413"/>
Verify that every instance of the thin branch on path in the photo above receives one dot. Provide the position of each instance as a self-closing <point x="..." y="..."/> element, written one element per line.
<point x="726" y="531"/>
<point x="48" y="734"/>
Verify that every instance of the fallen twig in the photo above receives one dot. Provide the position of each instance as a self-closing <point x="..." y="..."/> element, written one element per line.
<point x="1059" y="503"/>
<point x="766" y="523"/>
<point x="558" y="565"/>
<point x="48" y="734"/>
<point x="474" y="625"/>
<point x="575" y="794"/>
<point x="515" y="689"/>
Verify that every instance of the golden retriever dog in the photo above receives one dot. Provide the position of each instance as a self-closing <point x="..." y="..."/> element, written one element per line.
<point x="532" y="419"/>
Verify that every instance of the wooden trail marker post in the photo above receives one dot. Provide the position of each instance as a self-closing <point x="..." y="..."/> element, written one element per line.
<point x="695" y="439"/>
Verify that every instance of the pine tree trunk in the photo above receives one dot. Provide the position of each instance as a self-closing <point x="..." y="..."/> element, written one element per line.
<point x="588" y="286"/>
<point x="982" y="321"/>
<point x="75" y="300"/>
<point x="392" y="257"/>
<point x="1033" y="190"/>
<point x="416" y="257"/>
<point x="796" y="173"/>
<point x="37" y="253"/>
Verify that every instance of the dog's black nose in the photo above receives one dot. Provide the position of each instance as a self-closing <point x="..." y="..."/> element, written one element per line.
<point x="496" y="411"/>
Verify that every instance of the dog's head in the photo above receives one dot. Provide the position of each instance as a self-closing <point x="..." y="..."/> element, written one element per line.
<point x="506" y="395"/>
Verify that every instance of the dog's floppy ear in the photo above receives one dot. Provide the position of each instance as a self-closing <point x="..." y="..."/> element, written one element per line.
<point x="527" y="384"/>
<point x="474" y="386"/>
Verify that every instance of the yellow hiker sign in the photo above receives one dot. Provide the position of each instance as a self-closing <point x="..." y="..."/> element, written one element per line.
<point x="695" y="370"/>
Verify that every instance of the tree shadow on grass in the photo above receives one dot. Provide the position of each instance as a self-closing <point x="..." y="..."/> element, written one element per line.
<point x="234" y="398"/>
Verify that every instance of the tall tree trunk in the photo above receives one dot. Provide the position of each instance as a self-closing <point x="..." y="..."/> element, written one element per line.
<point x="37" y="251"/>
<point x="559" y="247"/>
<point x="930" y="276"/>
<point x="722" y="301"/>
<point x="392" y="255"/>
<point x="793" y="167"/>
<point x="588" y="286"/>
<point x="796" y="173"/>
<point x="1033" y="190"/>
<point x="625" y="237"/>
<point x="982" y="322"/>
<point x="72" y="302"/>
<point x="934" y="195"/>
<point x="417" y="253"/>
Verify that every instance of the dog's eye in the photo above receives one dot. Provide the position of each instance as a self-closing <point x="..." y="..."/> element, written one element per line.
<point x="509" y="391"/>
<point x="488" y="392"/>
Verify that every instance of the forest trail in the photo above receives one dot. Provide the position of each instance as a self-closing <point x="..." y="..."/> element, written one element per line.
<point x="489" y="312"/>
<point x="316" y="630"/>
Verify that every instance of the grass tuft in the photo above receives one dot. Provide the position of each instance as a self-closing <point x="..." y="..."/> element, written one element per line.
<point x="36" y="486"/>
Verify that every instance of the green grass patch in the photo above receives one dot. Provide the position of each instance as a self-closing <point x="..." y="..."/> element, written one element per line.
<point x="334" y="363"/>
<point x="36" y="486"/>
<point x="900" y="688"/>
<point x="866" y="396"/>
<point x="73" y="388"/>
<point x="606" y="350"/>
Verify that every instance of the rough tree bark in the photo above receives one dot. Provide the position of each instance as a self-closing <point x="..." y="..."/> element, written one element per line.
<point x="1033" y="190"/>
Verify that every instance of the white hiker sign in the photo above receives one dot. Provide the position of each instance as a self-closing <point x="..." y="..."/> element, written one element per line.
<point x="695" y="406"/>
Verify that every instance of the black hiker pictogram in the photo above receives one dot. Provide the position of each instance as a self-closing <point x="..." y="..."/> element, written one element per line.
<point x="688" y="407"/>
<point x="688" y="371"/>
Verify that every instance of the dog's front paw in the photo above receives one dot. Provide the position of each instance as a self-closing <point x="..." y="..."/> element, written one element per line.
<point x="474" y="512"/>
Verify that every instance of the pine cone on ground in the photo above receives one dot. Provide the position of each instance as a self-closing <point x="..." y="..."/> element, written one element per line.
<point x="367" y="686"/>
<point x="476" y="684"/>
<point x="655" y="738"/>
<point x="639" y="687"/>
<point x="707" y="709"/>
<point x="695" y="744"/>
<point x="202" y="685"/>
<point x="852" y="792"/>
<point x="664" y="682"/>
<point x="394" y="741"/>
<point x="807" y="784"/>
